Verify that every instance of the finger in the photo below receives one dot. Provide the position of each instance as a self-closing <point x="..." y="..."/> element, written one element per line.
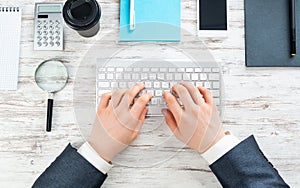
<point x="206" y="95"/>
<point x="139" y="105"/>
<point x="105" y="98"/>
<point x="117" y="97"/>
<point x="131" y="94"/>
<point x="173" y="105"/>
<point x="194" y="92"/>
<point x="183" y="95"/>
<point x="170" y="120"/>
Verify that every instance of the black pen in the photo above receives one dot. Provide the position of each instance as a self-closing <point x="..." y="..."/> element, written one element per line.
<point x="292" y="28"/>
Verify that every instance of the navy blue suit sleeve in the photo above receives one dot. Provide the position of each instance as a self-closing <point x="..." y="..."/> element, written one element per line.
<point x="70" y="169"/>
<point x="246" y="166"/>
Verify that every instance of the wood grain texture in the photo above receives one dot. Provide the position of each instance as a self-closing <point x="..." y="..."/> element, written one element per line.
<point x="260" y="101"/>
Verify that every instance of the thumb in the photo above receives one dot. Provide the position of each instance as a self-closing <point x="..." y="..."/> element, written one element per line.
<point x="170" y="120"/>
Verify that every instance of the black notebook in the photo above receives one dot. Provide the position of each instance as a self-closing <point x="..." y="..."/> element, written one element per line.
<point x="267" y="33"/>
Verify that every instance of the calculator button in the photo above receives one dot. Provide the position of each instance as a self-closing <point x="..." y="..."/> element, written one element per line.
<point x="45" y="38"/>
<point x="57" y="22"/>
<point x="39" y="27"/>
<point x="45" y="27"/>
<point x="39" y="33"/>
<point x="57" y="43"/>
<point x="39" y="38"/>
<point x="39" y="44"/>
<point x="45" y="43"/>
<point x="45" y="32"/>
<point x="57" y="38"/>
<point x="45" y="22"/>
<point x="51" y="27"/>
<point x="39" y="22"/>
<point x="51" y="32"/>
<point x="57" y="32"/>
<point x="51" y="44"/>
<point x="57" y="27"/>
<point x="51" y="22"/>
<point x="51" y="38"/>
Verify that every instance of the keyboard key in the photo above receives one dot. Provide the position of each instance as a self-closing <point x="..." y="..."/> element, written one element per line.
<point x="217" y="101"/>
<point x="114" y="85"/>
<point x="215" y="93"/>
<point x="207" y="85"/>
<point x="110" y="76"/>
<point x="160" y="76"/>
<point x="101" y="92"/>
<point x="154" y="101"/>
<point x="146" y="70"/>
<point x="180" y="70"/>
<point x="151" y="92"/>
<point x="178" y="76"/>
<point x="148" y="84"/>
<point x="198" y="70"/>
<point x="144" y="76"/>
<point x="154" y="69"/>
<point x="136" y="69"/>
<point x="199" y="84"/>
<point x="103" y="84"/>
<point x="187" y="77"/>
<point x="215" y="70"/>
<point x="214" y="76"/>
<point x="128" y="69"/>
<point x="158" y="93"/>
<point x="195" y="76"/>
<point x="203" y="76"/>
<point x="102" y="69"/>
<point x="152" y="76"/>
<point x="101" y="76"/>
<point x="172" y="69"/>
<point x="189" y="69"/>
<point x="119" y="76"/>
<point x="135" y="76"/>
<point x="127" y="76"/>
<point x="122" y="85"/>
<point x="156" y="85"/>
<point x="165" y="85"/>
<point x="169" y="76"/>
<point x="119" y="69"/>
<point x="216" y="85"/>
<point x="163" y="70"/>
<point x="206" y="69"/>
<point x="110" y="69"/>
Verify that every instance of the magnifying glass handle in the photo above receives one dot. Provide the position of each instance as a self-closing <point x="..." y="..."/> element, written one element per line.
<point x="49" y="115"/>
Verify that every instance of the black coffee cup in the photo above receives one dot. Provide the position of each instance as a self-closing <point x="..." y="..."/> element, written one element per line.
<point x="83" y="16"/>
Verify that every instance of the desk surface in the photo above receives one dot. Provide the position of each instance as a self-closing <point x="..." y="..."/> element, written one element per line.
<point x="259" y="101"/>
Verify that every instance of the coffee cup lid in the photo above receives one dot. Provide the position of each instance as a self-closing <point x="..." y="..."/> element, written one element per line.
<point x="81" y="14"/>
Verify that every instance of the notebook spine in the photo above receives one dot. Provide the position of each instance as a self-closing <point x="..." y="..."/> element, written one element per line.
<point x="9" y="9"/>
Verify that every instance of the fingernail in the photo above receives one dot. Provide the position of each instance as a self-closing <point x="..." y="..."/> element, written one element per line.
<point x="164" y="112"/>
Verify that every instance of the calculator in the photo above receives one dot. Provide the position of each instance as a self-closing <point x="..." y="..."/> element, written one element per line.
<point x="48" y="26"/>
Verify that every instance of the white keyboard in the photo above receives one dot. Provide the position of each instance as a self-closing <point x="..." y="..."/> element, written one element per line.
<point x="156" y="81"/>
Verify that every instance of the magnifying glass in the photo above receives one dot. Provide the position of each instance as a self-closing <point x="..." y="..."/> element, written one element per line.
<point x="51" y="76"/>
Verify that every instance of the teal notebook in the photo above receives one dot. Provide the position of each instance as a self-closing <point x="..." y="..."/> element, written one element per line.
<point x="156" y="21"/>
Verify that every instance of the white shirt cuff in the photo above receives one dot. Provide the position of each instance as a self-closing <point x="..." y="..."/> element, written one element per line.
<point x="220" y="148"/>
<point x="92" y="157"/>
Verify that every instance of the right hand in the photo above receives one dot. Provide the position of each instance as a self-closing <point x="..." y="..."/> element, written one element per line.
<point x="197" y="124"/>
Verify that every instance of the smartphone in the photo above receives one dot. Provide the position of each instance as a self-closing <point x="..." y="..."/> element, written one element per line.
<point x="212" y="18"/>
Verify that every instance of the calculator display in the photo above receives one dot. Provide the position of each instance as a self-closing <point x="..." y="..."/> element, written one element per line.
<point x="50" y="9"/>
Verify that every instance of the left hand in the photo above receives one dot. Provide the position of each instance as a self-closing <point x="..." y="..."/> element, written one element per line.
<point x="117" y="123"/>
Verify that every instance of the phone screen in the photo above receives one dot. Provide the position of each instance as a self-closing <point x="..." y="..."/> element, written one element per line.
<point x="213" y="15"/>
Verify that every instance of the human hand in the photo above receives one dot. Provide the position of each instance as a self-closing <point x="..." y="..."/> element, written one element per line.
<point x="197" y="124"/>
<point x="118" y="121"/>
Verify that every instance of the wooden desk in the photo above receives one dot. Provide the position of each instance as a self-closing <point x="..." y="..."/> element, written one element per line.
<point x="260" y="101"/>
